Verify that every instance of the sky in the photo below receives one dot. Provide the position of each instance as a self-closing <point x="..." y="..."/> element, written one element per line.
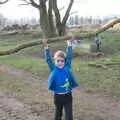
<point x="96" y="8"/>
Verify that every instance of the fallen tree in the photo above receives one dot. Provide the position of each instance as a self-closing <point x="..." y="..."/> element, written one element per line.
<point x="57" y="39"/>
<point x="99" y="65"/>
<point x="32" y="43"/>
<point x="103" y="64"/>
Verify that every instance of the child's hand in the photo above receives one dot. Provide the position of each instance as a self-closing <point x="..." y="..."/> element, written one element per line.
<point x="45" y="44"/>
<point x="75" y="91"/>
<point x="73" y="38"/>
<point x="77" y="88"/>
<point x="69" y="42"/>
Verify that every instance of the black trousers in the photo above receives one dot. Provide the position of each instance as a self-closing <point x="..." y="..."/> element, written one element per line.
<point x="63" y="101"/>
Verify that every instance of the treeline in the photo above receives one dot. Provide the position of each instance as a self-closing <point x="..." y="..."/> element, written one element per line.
<point x="73" y="20"/>
<point x="77" y="20"/>
<point x="5" y="21"/>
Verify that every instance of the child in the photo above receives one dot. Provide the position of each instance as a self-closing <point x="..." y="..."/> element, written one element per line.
<point x="97" y="41"/>
<point x="61" y="80"/>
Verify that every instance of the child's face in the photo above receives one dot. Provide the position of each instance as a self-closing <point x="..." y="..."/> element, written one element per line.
<point x="60" y="62"/>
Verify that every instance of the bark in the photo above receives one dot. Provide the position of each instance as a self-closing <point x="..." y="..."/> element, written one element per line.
<point x="62" y="30"/>
<point x="65" y="18"/>
<point x="57" y="17"/>
<point x="44" y="21"/>
<point x="61" y="25"/>
<point x="44" y="18"/>
<point x="104" y="28"/>
<point x="33" y="43"/>
<point x="50" y="17"/>
<point x="108" y="26"/>
<point x="104" y="64"/>
<point x="99" y="65"/>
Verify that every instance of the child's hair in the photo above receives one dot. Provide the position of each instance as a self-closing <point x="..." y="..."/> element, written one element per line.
<point x="60" y="53"/>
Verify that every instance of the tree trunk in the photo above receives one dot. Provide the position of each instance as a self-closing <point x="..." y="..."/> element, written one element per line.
<point x="50" y="17"/>
<point x="57" y="17"/>
<point x="46" y="17"/>
<point x="44" y="21"/>
<point x="61" y="26"/>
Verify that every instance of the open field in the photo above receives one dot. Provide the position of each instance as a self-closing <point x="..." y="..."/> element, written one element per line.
<point x="23" y="82"/>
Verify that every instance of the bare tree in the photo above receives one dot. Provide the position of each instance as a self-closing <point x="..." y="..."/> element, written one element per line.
<point x="3" y="1"/>
<point x="46" y="16"/>
<point x="60" y="24"/>
<point x="3" y="20"/>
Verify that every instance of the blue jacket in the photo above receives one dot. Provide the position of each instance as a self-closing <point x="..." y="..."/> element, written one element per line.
<point x="60" y="80"/>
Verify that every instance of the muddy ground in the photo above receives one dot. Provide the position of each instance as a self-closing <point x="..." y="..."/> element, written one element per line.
<point x="38" y="105"/>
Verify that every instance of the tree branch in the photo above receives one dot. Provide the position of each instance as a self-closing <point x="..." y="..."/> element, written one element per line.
<point x="56" y="11"/>
<point x="30" y="44"/>
<point x="31" y="2"/>
<point x="100" y="65"/>
<point x="105" y="27"/>
<point x="51" y="40"/>
<point x="3" y="2"/>
<point x="26" y="2"/>
<point x="67" y="12"/>
<point x="103" y="65"/>
<point x="61" y="8"/>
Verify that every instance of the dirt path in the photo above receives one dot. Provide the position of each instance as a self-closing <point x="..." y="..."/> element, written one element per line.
<point x="39" y="103"/>
<point x="13" y="109"/>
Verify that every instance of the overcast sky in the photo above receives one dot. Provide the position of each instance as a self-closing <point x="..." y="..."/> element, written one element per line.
<point x="83" y="7"/>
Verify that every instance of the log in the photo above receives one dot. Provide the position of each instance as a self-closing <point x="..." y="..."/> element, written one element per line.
<point x="105" y="27"/>
<point x="104" y="64"/>
<point x="32" y="43"/>
<point x="98" y="65"/>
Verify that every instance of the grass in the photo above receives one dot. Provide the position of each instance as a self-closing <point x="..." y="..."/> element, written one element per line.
<point x="111" y="42"/>
<point x="27" y="63"/>
<point x="92" y="79"/>
<point x="9" y="83"/>
<point x="99" y="80"/>
<point x="21" y="88"/>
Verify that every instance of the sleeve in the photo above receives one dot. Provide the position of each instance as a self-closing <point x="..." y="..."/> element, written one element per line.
<point x="48" y="58"/>
<point x="73" y="80"/>
<point x="69" y="56"/>
<point x="51" y="81"/>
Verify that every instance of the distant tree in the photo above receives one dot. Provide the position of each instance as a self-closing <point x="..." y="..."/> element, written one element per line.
<point x="48" y="26"/>
<point x="3" y="1"/>
<point x="90" y="20"/>
<point x="81" y="20"/>
<point x="76" y="19"/>
<point x="3" y="20"/>
<point x="71" y="20"/>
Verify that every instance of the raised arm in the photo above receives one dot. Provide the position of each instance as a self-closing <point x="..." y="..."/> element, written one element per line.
<point x="48" y="56"/>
